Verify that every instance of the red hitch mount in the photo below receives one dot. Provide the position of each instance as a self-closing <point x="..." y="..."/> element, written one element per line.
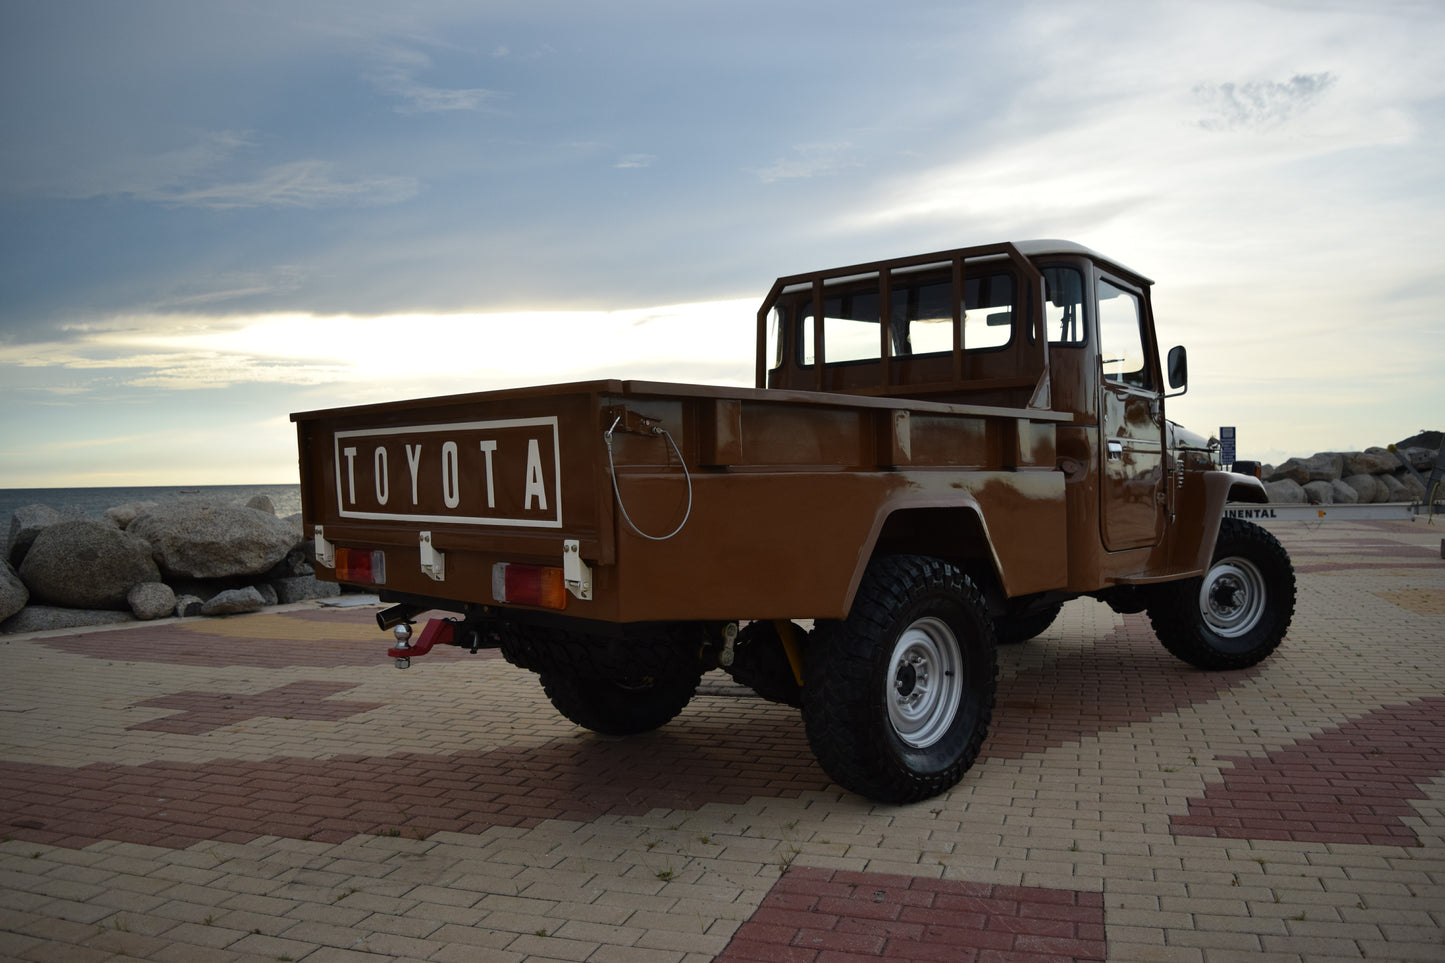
<point x="435" y="632"/>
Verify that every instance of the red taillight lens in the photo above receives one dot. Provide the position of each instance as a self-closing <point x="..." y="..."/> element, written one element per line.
<point x="361" y="565"/>
<point x="529" y="585"/>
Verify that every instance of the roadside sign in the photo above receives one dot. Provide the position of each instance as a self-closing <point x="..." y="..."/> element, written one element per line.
<point x="1226" y="441"/>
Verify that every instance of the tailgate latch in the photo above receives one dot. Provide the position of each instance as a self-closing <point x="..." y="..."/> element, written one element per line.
<point x="433" y="562"/>
<point x="576" y="574"/>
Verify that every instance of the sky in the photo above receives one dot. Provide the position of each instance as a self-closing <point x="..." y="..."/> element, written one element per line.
<point x="215" y="214"/>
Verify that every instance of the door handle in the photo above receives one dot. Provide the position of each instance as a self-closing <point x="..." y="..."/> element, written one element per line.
<point x="1116" y="451"/>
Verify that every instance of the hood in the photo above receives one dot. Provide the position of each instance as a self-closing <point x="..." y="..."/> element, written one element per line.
<point x="1177" y="437"/>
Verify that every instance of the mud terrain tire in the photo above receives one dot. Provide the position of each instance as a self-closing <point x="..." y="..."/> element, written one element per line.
<point x="761" y="664"/>
<point x="618" y="708"/>
<point x="1014" y="629"/>
<point x="897" y="697"/>
<point x="1234" y="615"/>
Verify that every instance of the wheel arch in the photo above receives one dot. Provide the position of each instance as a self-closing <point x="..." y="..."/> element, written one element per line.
<point x="1237" y="613"/>
<point x="952" y="529"/>
<point x="1220" y="488"/>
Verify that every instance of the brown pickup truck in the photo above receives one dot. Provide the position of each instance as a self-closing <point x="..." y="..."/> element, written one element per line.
<point x="940" y="450"/>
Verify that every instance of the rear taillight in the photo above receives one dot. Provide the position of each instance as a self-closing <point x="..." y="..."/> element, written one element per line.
<point x="363" y="565"/>
<point x="536" y="585"/>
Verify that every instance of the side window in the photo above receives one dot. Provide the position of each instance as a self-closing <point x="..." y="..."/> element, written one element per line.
<point x="1121" y="338"/>
<point x="775" y="338"/>
<point x="1064" y="310"/>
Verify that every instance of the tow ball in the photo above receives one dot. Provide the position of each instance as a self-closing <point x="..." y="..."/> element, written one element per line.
<point x="403" y="644"/>
<point x="436" y="632"/>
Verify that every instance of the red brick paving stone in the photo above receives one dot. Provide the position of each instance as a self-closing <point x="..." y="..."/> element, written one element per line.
<point x="1349" y="784"/>
<point x="1329" y="552"/>
<point x="357" y="642"/>
<point x="202" y="712"/>
<point x="1325" y="552"/>
<point x="334" y="799"/>
<point x="1376" y="547"/>
<point x="1311" y="569"/>
<point x="819" y="915"/>
<point x="1124" y="678"/>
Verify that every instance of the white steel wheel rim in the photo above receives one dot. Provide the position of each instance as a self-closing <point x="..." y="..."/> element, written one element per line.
<point x="1232" y="597"/>
<point x="925" y="682"/>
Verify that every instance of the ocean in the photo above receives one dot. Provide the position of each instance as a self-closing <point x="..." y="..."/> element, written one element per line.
<point x="94" y="501"/>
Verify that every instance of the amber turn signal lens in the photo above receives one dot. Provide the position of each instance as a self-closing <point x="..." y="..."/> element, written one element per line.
<point x="363" y="565"/>
<point x="537" y="585"/>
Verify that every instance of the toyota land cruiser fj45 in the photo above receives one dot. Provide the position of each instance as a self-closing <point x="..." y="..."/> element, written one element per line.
<point x="938" y="452"/>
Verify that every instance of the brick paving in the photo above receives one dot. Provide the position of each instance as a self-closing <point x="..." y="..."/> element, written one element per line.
<point x="1351" y="784"/>
<point x="206" y="711"/>
<point x="268" y="787"/>
<point x="821" y="914"/>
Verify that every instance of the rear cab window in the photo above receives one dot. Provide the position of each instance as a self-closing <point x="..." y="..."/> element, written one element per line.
<point x="920" y="318"/>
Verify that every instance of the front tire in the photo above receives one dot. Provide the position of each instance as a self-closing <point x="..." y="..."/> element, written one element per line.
<point x="1236" y="614"/>
<point x="897" y="698"/>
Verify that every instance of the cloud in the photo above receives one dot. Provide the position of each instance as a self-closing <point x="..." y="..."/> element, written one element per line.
<point x="503" y="52"/>
<point x="195" y="175"/>
<point x="106" y="363"/>
<point x="807" y="160"/>
<point x="397" y="77"/>
<point x="305" y="184"/>
<point x="175" y="352"/>
<point x="635" y="160"/>
<point x="1260" y="104"/>
<point x="198" y="291"/>
<point x="146" y="176"/>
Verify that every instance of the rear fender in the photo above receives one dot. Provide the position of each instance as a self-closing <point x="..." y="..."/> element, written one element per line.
<point x="948" y="528"/>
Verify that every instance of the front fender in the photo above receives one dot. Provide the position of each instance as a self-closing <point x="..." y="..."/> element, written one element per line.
<point x="1220" y="488"/>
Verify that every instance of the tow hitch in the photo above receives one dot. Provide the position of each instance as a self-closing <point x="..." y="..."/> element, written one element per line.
<point x="436" y="632"/>
<point x="463" y="633"/>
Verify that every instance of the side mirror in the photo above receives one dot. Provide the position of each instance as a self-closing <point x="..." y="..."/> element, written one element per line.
<point x="1178" y="370"/>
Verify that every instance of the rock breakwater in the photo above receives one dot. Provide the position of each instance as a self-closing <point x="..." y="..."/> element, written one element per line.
<point x="149" y="560"/>
<point x="1356" y="477"/>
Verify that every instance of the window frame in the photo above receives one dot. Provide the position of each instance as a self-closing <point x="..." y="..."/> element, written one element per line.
<point x="805" y="324"/>
<point x="1085" y="272"/>
<point x="1142" y="329"/>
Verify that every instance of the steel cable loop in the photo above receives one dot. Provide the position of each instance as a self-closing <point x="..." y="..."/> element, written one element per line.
<point x="612" y="467"/>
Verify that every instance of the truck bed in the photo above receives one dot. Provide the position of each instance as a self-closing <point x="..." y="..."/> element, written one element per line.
<point x="779" y="498"/>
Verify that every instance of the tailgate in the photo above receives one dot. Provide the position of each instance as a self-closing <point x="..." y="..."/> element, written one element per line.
<point x="473" y="477"/>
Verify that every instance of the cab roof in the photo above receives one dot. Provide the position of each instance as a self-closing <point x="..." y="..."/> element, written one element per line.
<point x="1043" y="247"/>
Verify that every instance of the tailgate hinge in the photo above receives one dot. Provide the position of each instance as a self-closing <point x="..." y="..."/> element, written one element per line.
<point x="325" y="551"/>
<point x="433" y="562"/>
<point x="576" y="574"/>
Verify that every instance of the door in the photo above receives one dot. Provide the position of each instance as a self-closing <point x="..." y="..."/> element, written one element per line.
<point x="1131" y="422"/>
